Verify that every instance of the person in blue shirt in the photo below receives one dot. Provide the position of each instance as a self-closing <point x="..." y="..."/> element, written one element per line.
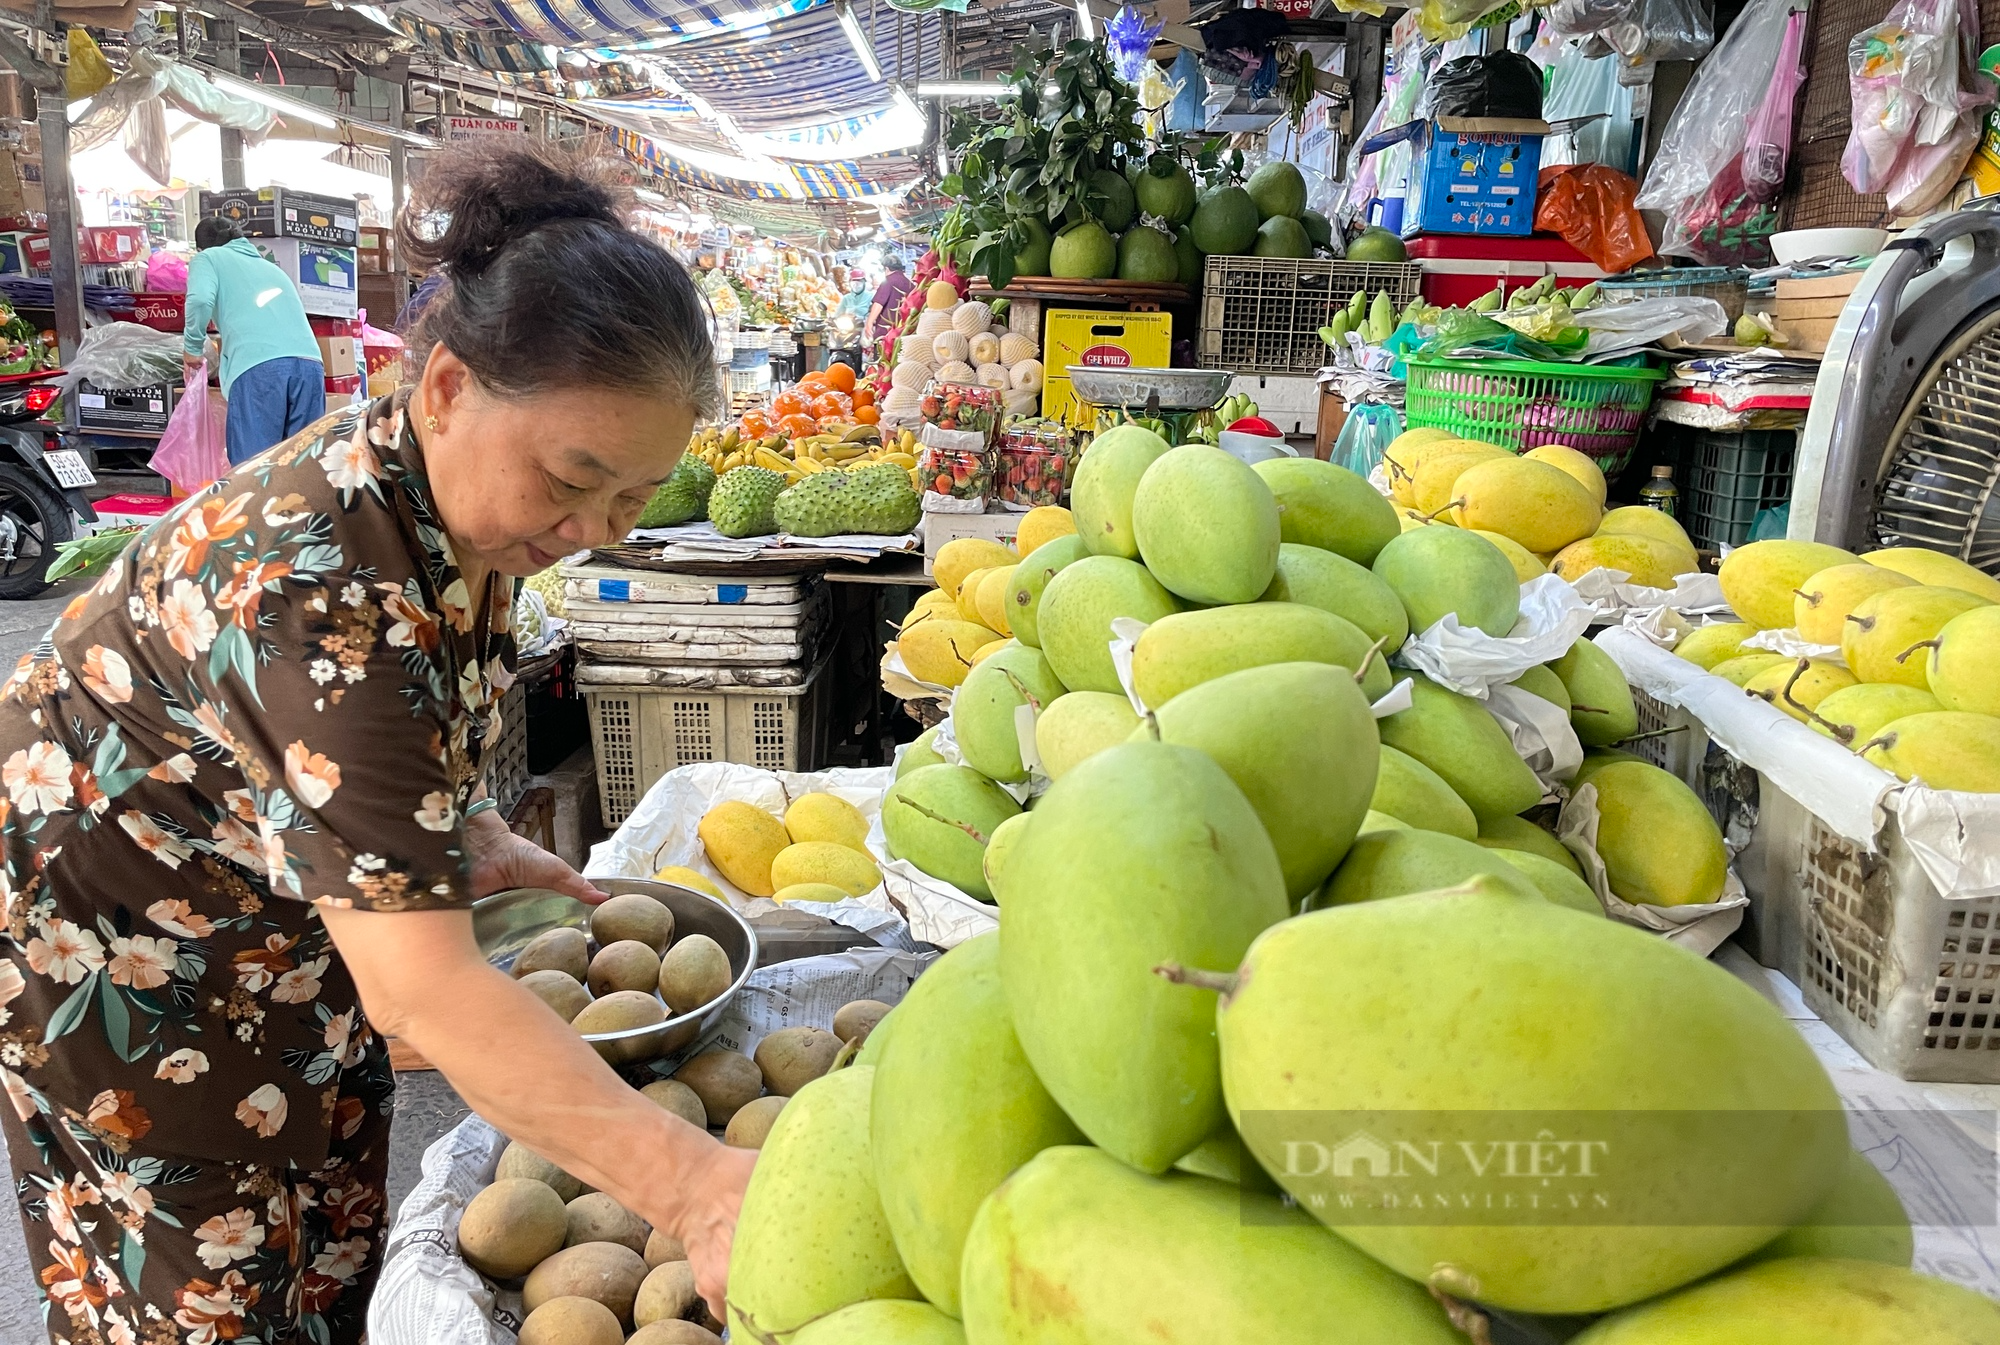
<point x="271" y="370"/>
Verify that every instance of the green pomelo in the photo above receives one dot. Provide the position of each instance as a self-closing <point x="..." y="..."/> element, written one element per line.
<point x="1298" y="739"/>
<point x="955" y="1110"/>
<point x="1449" y="570"/>
<point x="812" y="1236"/>
<point x="1375" y="244"/>
<point x="1084" y="251"/>
<point x="1146" y="255"/>
<point x="1710" y="645"/>
<point x="1144" y="854"/>
<point x="1031" y="578"/>
<point x="1318" y="228"/>
<point x="1417" y="796"/>
<point x="883" y="1321"/>
<point x="1553" y="881"/>
<point x="1033" y="258"/>
<point x="1282" y="236"/>
<point x="1542" y="681"/>
<point x="1601" y="707"/>
<point x="1077" y="1249"/>
<point x="1808" y="1301"/>
<point x="1459" y="738"/>
<point x="1327" y="506"/>
<point x="1335" y="584"/>
<point x="1862" y="1219"/>
<point x="998" y="847"/>
<point x="919" y="753"/>
<point x="1079" y="726"/>
<point x="1165" y="189"/>
<point x="1207" y="525"/>
<point x="1388" y="864"/>
<point x="1189" y="648"/>
<point x="940" y="818"/>
<point x="1855" y="715"/>
<point x="1078" y="607"/>
<point x="1279" y="190"/>
<point x="1118" y="204"/>
<point x="982" y="710"/>
<point x="1187" y="259"/>
<point x="1225" y="222"/>
<point x="1525" y="1006"/>
<point x="1518" y="833"/>
<point x="1107" y="477"/>
<point x="1659" y="843"/>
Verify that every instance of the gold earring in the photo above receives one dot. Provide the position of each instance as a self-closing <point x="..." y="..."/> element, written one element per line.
<point x="431" y="423"/>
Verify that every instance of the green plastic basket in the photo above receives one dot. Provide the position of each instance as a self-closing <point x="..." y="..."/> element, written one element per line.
<point x="1598" y="410"/>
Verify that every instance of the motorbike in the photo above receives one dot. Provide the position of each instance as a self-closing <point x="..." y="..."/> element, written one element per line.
<point x="42" y="485"/>
<point x="844" y="343"/>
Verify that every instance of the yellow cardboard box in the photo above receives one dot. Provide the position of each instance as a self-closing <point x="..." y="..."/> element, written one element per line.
<point x="1099" y="341"/>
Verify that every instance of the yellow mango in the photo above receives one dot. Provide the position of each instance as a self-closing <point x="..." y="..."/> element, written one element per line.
<point x="1644" y="521"/>
<point x="1854" y="716"/>
<point x="1761" y="580"/>
<point x="1945" y="749"/>
<point x="828" y="862"/>
<point x="1406" y="454"/>
<point x="1579" y="465"/>
<point x="1437" y="479"/>
<point x="826" y="817"/>
<point x="1797" y="686"/>
<point x="1042" y="524"/>
<point x="991" y="600"/>
<point x="1888" y="636"/>
<point x="1746" y="665"/>
<point x="1541" y="507"/>
<point x="960" y="557"/>
<point x="1659" y="843"/>
<point x="1526" y="564"/>
<point x="682" y="876"/>
<point x="940" y="652"/>
<point x="1648" y="560"/>
<point x="968" y="593"/>
<point x="1711" y="645"/>
<point x="992" y="647"/>
<point x="1937" y="570"/>
<point x="742" y="840"/>
<point x="1964" y="668"/>
<point x="1823" y="603"/>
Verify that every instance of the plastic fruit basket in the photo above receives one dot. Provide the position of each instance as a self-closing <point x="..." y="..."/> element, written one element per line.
<point x="1598" y="410"/>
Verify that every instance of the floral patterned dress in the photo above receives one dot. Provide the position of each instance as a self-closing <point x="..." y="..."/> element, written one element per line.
<point x="277" y="699"/>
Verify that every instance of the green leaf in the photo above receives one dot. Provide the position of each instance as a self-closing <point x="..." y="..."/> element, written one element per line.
<point x="64" y="1020"/>
<point x="131" y="1258"/>
<point x="117" y="1021"/>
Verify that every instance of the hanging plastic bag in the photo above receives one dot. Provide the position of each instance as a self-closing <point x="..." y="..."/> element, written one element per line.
<point x="1370" y="428"/>
<point x="1914" y="91"/>
<point x="1591" y="207"/>
<point x="1696" y="180"/>
<point x="1663" y="30"/>
<point x="87" y="71"/>
<point x="1581" y="18"/>
<point x="1505" y="84"/>
<point x="1586" y="86"/>
<point x="166" y="273"/>
<point x="147" y="143"/>
<point x="193" y="450"/>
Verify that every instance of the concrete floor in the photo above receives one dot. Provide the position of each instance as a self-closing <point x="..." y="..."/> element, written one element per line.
<point x="426" y="1107"/>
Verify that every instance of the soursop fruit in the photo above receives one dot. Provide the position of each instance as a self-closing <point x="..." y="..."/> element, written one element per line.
<point x="682" y="496"/>
<point x="885" y="501"/>
<point x="741" y="503"/>
<point x="818" y="506"/>
<point x="874" y="499"/>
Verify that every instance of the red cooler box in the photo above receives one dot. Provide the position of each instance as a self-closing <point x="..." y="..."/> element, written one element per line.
<point x="1458" y="270"/>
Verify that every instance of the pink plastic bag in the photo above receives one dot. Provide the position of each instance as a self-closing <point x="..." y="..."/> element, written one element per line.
<point x="1915" y="98"/>
<point x="166" y="273"/>
<point x="194" y="450"/>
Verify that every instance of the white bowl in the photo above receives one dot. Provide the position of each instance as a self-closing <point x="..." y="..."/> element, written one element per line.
<point x="1802" y="245"/>
<point x="1254" y="448"/>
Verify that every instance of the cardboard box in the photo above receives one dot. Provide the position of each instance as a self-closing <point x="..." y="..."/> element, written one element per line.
<point x="337" y="353"/>
<point x="339" y="401"/>
<point x="23" y="254"/>
<point x="1808" y="334"/>
<point x="349" y="383"/>
<point x="1100" y="341"/>
<point x="373" y="249"/>
<point x="1473" y="177"/>
<point x="112" y="244"/>
<point x="145" y="410"/>
<point x="324" y="274"/>
<point x="161" y="312"/>
<point x="131" y="511"/>
<point x="1838" y="285"/>
<point x="328" y="326"/>
<point x="280" y="212"/>
<point x="1808" y="308"/>
<point x="21" y="184"/>
<point x="999" y="526"/>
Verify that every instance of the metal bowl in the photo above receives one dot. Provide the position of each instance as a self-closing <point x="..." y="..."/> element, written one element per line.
<point x="507" y="922"/>
<point x="1177" y="389"/>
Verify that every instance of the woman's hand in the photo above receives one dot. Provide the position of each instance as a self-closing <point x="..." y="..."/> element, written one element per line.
<point x="501" y="860"/>
<point x="711" y="1199"/>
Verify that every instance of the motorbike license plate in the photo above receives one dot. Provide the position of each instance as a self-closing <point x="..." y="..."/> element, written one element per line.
<point x="69" y="467"/>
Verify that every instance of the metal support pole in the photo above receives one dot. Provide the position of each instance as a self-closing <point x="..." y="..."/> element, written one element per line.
<point x="64" y="272"/>
<point x="222" y="32"/>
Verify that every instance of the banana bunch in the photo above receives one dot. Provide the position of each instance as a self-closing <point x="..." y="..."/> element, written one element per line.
<point x="858" y="446"/>
<point x="1236" y="406"/>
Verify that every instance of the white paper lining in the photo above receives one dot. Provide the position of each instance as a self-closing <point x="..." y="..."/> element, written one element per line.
<point x="1467" y="660"/>
<point x="1699" y="929"/>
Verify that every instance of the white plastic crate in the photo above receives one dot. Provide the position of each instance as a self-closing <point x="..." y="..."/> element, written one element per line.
<point x="1677" y="743"/>
<point x="639" y="733"/>
<point x="506" y="757"/>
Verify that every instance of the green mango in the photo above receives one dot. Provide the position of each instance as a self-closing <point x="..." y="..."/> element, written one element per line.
<point x="1659" y="843"/>
<point x="883" y="1321"/>
<point x="1077" y="1249"/>
<point x="1182" y="651"/>
<point x="1374" y="821"/>
<point x="1079" y="726"/>
<point x="1333" y="583"/>
<point x="1862" y="1219"/>
<point x="1031" y="580"/>
<point x="1457" y="737"/>
<point x="956" y="1108"/>
<point x="1144" y="854"/>
<point x="877" y="1045"/>
<point x="998" y="846"/>
<point x="1298" y="739"/>
<point x="1207" y="525"/>
<point x="920" y="753"/>
<point x="1386" y="864"/>
<point x="1328" y="506"/>
<point x="1601" y="707"/>
<point x="1808" y="1301"/>
<point x="1221" y="1157"/>
<point x="982" y="711"/>
<point x="812" y="1236"/>
<point x="1442" y="570"/>
<point x="1107" y="477"/>
<point x="1518" y="833"/>
<point x="1597" y="758"/>
<point x="1078" y="607"/>
<point x="1525" y="1008"/>
<point x="1552" y="880"/>
<point x="1542" y="681"/>
<point x="940" y="818"/>
<point x="1417" y="796"/>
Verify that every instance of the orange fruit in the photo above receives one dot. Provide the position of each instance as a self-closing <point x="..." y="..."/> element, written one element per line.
<point x="755" y="425"/>
<point x="863" y="397"/>
<point x="830" y="404"/>
<point x="840" y="377"/>
<point x="798" y="426"/>
<point x="813" y="382"/>
<point x="867" y="415"/>
<point x="792" y="403"/>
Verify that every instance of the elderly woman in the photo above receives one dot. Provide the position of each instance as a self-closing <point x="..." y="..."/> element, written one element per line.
<point x="243" y="813"/>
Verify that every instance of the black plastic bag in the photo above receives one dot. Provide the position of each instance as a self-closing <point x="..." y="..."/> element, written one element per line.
<point x="1503" y="84"/>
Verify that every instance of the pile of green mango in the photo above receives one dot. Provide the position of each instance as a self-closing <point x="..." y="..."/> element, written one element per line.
<point x="1253" y="939"/>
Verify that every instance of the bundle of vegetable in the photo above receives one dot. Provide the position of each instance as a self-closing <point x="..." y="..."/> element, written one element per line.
<point x="90" y="555"/>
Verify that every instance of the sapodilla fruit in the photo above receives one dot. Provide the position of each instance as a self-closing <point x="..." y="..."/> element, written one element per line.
<point x="1824" y="602"/>
<point x="1799" y="686"/>
<point x="1964" y="667"/>
<point x="1888" y="636"/>
<point x="1946" y="749"/>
